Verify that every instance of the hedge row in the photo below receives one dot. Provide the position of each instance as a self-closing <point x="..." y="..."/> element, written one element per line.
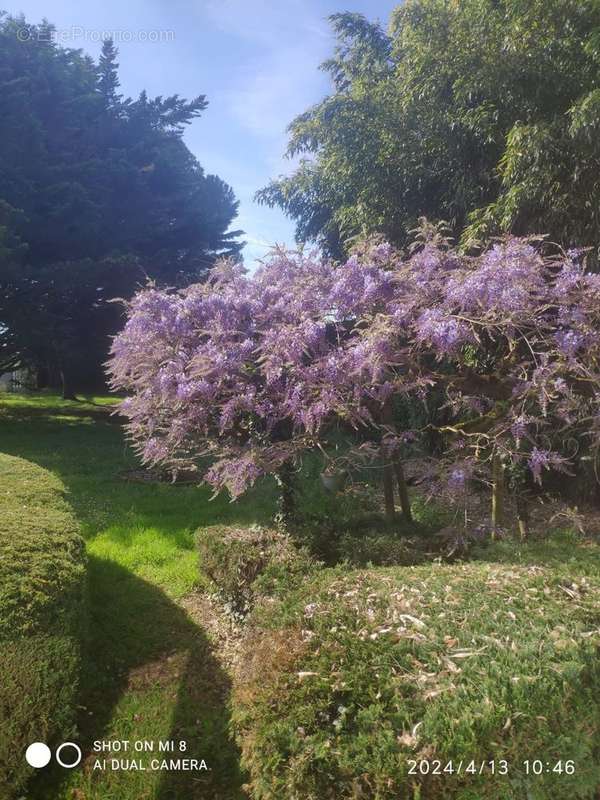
<point x="42" y="616"/>
<point x="246" y="564"/>
<point x="399" y="683"/>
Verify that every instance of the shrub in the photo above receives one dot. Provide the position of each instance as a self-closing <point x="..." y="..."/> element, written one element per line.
<point x="245" y="562"/>
<point x="343" y="683"/>
<point x="42" y="603"/>
<point x="375" y="543"/>
<point x="256" y="371"/>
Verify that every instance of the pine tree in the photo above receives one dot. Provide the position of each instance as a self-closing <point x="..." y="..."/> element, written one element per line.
<point x="96" y="192"/>
<point x="108" y="78"/>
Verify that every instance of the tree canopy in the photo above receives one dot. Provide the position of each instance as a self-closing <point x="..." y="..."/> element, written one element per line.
<point x="482" y="113"/>
<point x="243" y="374"/>
<point x="97" y="193"/>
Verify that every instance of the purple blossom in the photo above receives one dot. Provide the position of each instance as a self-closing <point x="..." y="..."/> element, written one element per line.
<point x="445" y="334"/>
<point x="236" y="475"/>
<point x="509" y="278"/>
<point x="545" y="459"/>
<point x="457" y="479"/>
<point x="221" y="369"/>
<point x="569" y="342"/>
<point x="519" y="428"/>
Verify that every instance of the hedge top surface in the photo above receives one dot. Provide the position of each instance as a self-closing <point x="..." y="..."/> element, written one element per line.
<point x="361" y="671"/>
<point x="42" y="559"/>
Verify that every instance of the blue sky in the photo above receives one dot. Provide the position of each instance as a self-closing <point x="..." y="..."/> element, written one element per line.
<point x="255" y="60"/>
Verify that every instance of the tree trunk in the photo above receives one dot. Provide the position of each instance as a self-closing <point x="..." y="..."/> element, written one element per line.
<point x="387" y="418"/>
<point x="41" y="377"/>
<point x="68" y="393"/>
<point x="522" y="514"/>
<point x="286" y="500"/>
<point x="497" y="493"/>
<point x="402" y="490"/>
<point x="388" y="490"/>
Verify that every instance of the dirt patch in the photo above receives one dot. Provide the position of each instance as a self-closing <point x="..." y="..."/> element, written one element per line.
<point x="162" y="672"/>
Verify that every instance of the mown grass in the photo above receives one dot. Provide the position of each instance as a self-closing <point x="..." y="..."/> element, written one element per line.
<point x="147" y="528"/>
<point x="563" y="550"/>
<point x="150" y="673"/>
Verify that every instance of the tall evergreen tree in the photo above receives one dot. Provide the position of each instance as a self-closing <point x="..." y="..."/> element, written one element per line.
<point x="108" y="74"/>
<point x="99" y="192"/>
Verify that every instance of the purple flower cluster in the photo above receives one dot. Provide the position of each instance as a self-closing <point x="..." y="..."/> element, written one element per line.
<point x="545" y="459"/>
<point x="231" y="369"/>
<point x="441" y="331"/>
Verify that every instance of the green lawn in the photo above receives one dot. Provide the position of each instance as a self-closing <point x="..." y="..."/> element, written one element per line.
<point x="151" y="673"/>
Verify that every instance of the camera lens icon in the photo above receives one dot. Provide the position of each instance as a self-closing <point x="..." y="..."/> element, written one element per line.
<point x="67" y="761"/>
<point x="68" y="755"/>
<point x="24" y="35"/>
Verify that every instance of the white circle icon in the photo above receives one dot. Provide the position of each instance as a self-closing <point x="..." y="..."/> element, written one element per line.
<point x="67" y="764"/>
<point x="38" y="755"/>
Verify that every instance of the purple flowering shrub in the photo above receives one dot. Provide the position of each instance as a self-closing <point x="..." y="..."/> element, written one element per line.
<point x="518" y="335"/>
<point x="248" y="370"/>
<point x="251" y="370"/>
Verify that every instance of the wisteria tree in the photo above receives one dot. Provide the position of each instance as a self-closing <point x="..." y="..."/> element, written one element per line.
<point x="511" y="337"/>
<point x="249" y="371"/>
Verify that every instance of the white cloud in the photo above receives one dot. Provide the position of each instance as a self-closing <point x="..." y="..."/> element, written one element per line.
<point x="273" y="92"/>
<point x="277" y="48"/>
<point x="288" y="40"/>
<point x="265" y="21"/>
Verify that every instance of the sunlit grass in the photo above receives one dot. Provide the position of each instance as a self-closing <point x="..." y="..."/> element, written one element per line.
<point x="147" y="528"/>
<point x="50" y="400"/>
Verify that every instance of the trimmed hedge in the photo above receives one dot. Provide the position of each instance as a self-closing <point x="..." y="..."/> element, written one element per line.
<point x="340" y="685"/>
<point x="42" y="616"/>
<point x="244" y="563"/>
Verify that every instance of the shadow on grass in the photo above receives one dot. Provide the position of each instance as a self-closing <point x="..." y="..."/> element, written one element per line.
<point x="77" y="409"/>
<point x="90" y="457"/>
<point x="149" y="674"/>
